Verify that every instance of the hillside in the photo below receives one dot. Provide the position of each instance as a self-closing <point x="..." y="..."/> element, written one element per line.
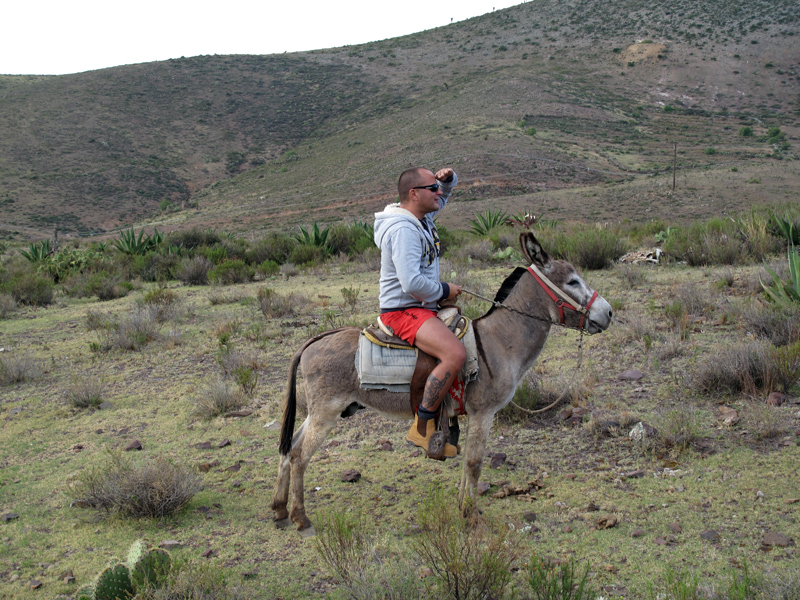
<point x="259" y="141"/>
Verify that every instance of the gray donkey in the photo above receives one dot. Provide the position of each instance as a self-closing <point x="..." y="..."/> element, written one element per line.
<point x="509" y="339"/>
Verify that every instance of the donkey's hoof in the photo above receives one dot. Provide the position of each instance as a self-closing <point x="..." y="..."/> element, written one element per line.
<point x="308" y="532"/>
<point x="282" y="523"/>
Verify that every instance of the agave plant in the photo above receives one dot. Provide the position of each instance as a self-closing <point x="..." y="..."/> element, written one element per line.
<point x="788" y="228"/>
<point x="482" y="224"/>
<point x="38" y="252"/>
<point x="315" y="237"/>
<point x="785" y="292"/>
<point x="129" y="243"/>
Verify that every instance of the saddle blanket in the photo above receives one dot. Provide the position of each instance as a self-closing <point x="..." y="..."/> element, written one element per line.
<point x="385" y="368"/>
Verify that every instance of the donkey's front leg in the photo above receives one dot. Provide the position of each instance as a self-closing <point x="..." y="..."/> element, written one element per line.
<point x="479" y="426"/>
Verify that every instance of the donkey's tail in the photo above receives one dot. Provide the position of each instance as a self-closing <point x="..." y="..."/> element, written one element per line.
<point x="290" y="402"/>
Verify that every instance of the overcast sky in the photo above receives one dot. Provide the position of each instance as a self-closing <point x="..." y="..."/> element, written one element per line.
<point x="55" y="37"/>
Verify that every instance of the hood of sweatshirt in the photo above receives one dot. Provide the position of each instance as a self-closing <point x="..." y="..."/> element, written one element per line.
<point x="393" y="216"/>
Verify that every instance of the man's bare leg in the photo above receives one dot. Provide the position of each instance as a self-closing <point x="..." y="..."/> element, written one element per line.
<point x="436" y="339"/>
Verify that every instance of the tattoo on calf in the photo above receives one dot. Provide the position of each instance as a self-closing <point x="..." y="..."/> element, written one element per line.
<point x="434" y="391"/>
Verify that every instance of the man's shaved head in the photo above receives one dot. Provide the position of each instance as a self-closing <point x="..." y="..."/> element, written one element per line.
<point x="410" y="178"/>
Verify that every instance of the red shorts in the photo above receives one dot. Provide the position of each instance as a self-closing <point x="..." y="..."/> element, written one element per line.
<point x="405" y="323"/>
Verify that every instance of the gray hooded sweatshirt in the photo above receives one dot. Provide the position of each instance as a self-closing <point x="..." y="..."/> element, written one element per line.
<point x="410" y="256"/>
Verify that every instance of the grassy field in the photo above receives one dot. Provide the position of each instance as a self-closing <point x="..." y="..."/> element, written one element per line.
<point x="697" y="475"/>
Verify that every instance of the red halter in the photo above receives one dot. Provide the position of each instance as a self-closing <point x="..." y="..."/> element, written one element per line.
<point x="563" y="302"/>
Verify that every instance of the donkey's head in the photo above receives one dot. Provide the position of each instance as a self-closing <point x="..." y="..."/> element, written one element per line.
<point x="574" y="303"/>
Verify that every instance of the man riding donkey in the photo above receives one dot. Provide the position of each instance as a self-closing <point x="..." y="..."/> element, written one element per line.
<point x="410" y="288"/>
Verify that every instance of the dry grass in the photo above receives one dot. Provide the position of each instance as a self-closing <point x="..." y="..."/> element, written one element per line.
<point x="194" y="271"/>
<point x="218" y="398"/>
<point x="633" y="275"/>
<point x="764" y="421"/>
<point x="7" y="305"/>
<point x="274" y="305"/>
<point x="153" y="487"/>
<point x="18" y="368"/>
<point x="777" y="324"/>
<point x="86" y="392"/>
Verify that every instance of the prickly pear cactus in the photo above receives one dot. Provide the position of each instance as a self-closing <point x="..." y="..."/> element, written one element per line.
<point x="150" y="568"/>
<point x="113" y="583"/>
<point x="85" y="593"/>
<point x="137" y="550"/>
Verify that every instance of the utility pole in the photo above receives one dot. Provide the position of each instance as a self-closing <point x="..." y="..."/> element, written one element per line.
<point x="674" y="164"/>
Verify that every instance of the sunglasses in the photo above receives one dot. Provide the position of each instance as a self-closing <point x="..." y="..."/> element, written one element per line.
<point x="434" y="187"/>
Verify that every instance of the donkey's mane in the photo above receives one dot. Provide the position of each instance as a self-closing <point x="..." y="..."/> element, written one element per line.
<point x="508" y="285"/>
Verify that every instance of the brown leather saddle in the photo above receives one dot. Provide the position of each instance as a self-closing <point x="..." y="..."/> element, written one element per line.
<point x="383" y="335"/>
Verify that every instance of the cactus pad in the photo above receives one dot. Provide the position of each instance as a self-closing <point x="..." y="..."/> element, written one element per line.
<point x="113" y="583"/>
<point x="85" y="593"/>
<point x="151" y="568"/>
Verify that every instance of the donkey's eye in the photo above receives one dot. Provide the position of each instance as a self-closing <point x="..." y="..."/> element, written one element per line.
<point x="573" y="282"/>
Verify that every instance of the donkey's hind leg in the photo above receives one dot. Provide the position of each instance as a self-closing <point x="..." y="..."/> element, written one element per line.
<point x="281" y="498"/>
<point x="316" y="429"/>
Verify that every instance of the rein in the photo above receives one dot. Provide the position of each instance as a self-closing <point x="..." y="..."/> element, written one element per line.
<point x="561" y="301"/>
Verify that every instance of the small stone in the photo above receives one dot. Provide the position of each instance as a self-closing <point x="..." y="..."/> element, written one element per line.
<point x="641" y="431"/>
<point x="98" y="431"/>
<point x="14" y="577"/>
<point x="675" y="528"/>
<point x="9" y="517"/>
<point x="351" y="476"/>
<point x="529" y="516"/>
<point x="206" y="467"/>
<point x="637" y="533"/>
<point x="792" y="500"/>
<point x="415" y="453"/>
<point x="250" y="574"/>
<point x="204" y="446"/>
<point x="425" y="572"/>
<point x="170" y="544"/>
<point x="607" y="522"/>
<point x="483" y="487"/>
<point x="207" y="553"/>
<point x="661" y="541"/>
<point x="35" y="584"/>
<point x="566" y="529"/>
<point x="772" y="538"/>
<point x="570" y="476"/>
<point x="236" y="484"/>
<point x="638" y="474"/>
<point x="711" y="535"/>
<point x="224" y="443"/>
<point x="498" y="460"/>
<point x="632" y="375"/>
<point x="105" y="405"/>
<point x="387" y="446"/>
<point x="239" y="413"/>
<point x="234" y="468"/>
<point x="134" y="445"/>
<point x="777" y="398"/>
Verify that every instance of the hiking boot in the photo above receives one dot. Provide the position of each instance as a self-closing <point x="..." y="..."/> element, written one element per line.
<point x="423" y="441"/>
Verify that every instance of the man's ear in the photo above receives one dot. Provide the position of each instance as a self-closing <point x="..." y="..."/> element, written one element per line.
<point x="532" y="249"/>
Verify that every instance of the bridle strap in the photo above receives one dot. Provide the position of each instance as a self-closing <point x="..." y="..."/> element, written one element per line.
<point x="560" y="298"/>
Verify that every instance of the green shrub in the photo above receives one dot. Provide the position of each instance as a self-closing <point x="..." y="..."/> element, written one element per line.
<point x="746" y="368"/>
<point x="349" y="239"/>
<point x="193" y="238"/>
<point x="275" y="247"/>
<point x="215" y="254"/>
<point x="307" y="254"/>
<point x="746" y="131"/>
<point x="558" y="580"/>
<point x="164" y="302"/>
<point x="230" y="272"/>
<point x="470" y="559"/>
<point x="268" y="268"/>
<point x="106" y="286"/>
<point x="31" y="289"/>
<point x="591" y="248"/>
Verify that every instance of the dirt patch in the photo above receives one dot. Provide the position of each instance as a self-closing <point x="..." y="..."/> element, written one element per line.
<point x="642" y="52"/>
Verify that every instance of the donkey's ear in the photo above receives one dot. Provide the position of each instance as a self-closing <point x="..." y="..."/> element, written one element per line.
<point x="532" y="249"/>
